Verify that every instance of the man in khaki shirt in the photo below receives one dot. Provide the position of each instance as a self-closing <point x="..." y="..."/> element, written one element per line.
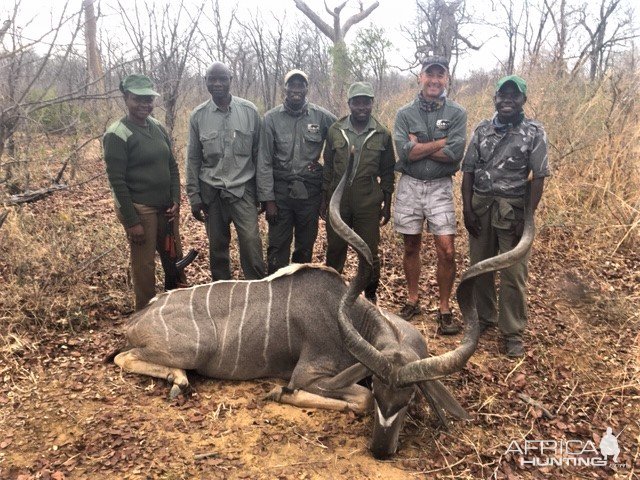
<point x="224" y="135"/>
<point x="289" y="175"/>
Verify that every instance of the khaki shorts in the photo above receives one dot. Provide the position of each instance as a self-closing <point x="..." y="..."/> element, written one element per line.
<point x="420" y="200"/>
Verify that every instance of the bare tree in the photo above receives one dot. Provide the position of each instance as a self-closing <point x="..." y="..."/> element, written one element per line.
<point x="438" y="29"/>
<point x="369" y="55"/>
<point x="612" y="27"/>
<point x="337" y="35"/>
<point x="94" y="64"/>
<point x="267" y="45"/>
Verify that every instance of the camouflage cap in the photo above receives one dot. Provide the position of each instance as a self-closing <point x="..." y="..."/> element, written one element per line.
<point x="295" y="72"/>
<point x="138" y="85"/>
<point x="518" y="81"/>
<point x="360" y="89"/>
<point x="435" y="60"/>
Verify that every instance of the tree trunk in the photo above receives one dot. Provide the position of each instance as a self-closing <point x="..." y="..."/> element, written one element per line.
<point x="95" y="83"/>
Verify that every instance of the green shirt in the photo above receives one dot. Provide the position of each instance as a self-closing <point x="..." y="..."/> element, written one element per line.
<point x="448" y="121"/>
<point x="140" y="166"/>
<point x="290" y="147"/>
<point x="223" y="147"/>
<point x="373" y="155"/>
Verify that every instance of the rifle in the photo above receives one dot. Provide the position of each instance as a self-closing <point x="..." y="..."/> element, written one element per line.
<point x="174" y="268"/>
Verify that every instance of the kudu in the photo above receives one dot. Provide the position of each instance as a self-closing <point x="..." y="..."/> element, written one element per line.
<point x="305" y="325"/>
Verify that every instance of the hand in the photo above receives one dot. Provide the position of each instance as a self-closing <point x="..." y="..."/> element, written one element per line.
<point x="385" y="213"/>
<point x="172" y="211"/>
<point x="271" y="211"/>
<point x="323" y="207"/>
<point x="199" y="212"/>
<point x="472" y="223"/>
<point x="135" y="234"/>
<point x="413" y="138"/>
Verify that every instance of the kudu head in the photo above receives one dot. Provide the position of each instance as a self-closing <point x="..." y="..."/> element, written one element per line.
<point x="397" y="372"/>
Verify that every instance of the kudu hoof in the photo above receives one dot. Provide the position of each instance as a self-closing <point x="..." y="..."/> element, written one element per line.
<point x="174" y="392"/>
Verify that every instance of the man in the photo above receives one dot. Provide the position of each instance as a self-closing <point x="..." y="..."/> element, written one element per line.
<point x="224" y="135"/>
<point x="366" y="203"/>
<point x="430" y="135"/>
<point x="500" y="157"/>
<point x="289" y="175"/>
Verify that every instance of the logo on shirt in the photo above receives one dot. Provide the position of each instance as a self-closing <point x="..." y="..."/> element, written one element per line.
<point x="442" y="124"/>
<point x="313" y="128"/>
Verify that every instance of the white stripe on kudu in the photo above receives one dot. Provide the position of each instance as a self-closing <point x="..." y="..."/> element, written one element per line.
<point x="195" y="324"/>
<point x="266" y="336"/>
<point x="244" y="313"/>
<point x="164" y="324"/>
<point x="288" y="318"/>
<point x="226" y="325"/>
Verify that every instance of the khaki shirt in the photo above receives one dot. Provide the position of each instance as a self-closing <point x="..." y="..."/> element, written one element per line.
<point x="449" y="121"/>
<point x="223" y="148"/>
<point x="290" y="147"/>
<point x="373" y="156"/>
<point x="501" y="161"/>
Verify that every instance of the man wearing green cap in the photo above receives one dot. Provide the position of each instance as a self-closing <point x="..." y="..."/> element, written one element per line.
<point x="289" y="175"/>
<point x="145" y="181"/>
<point x="366" y="203"/>
<point x="501" y="155"/>
<point x="430" y="135"/>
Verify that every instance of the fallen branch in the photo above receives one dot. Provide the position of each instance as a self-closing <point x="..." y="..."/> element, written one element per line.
<point x="527" y="399"/>
<point x="202" y="456"/>
<point x="35" y="195"/>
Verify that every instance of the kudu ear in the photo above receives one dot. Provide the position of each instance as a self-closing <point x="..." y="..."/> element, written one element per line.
<point x="347" y="377"/>
<point x="441" y="399"/>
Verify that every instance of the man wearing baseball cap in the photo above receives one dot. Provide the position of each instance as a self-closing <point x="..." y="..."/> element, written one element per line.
<point x="289" y="175"/>
<point x="503" y="152"/>
<point x="366" y="203"/>
<point x="430" y="134"/>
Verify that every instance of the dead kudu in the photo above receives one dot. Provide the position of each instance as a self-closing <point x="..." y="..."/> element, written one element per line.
<point x="305" y="325"/>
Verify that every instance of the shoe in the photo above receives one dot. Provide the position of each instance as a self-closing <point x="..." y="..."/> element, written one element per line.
<point x="446" y="324"/>
<point x="485" y="327"/>
<point x="513" y="347"/>
<point x="409" y="311"/>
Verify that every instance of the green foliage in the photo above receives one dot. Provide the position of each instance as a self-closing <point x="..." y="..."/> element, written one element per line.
<point x="53" y="117"/>
<point x="368" y="54"/>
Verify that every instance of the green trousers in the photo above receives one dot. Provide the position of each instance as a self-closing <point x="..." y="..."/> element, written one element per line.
<point x="222" y="210"/>
<point x="361" y="211"/>
<point x="296" y="217"/>
<point x="508" y="308"/>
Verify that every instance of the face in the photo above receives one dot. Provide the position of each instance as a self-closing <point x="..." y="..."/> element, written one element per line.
<point x="218" y="81"/>
<point x="434" y="81"/>
<point x="509" y="100"/>
<point x="139" y="106"/>
<point x="295" y="91"/>
<point x="361" y="108"/>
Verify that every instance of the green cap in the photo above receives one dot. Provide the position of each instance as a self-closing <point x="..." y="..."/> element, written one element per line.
<point x="138" y="85"/>
<point x="518" y="81"/>
<point x="360" y="89"/>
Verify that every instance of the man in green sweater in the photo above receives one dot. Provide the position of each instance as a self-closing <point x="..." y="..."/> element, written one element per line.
<point x="366" y="204"/>
<point x="145" y="181"/>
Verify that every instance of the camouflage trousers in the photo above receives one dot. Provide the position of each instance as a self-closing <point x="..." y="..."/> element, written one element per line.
<point x="508" y="308"/>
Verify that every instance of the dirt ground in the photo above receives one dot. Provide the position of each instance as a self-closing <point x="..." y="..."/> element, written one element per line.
<point x="65" y="414"/>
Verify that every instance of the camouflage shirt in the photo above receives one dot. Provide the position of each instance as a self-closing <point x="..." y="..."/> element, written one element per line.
<point x="501" y="160"/>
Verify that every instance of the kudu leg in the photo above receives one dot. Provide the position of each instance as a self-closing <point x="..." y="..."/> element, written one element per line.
<point x="130" y="362"/>
<point x="354" y="398"/>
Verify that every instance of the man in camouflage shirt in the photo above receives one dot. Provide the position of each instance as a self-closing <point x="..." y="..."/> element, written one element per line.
<point x="289" y="175"/>
<point x="501" y="154"/>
